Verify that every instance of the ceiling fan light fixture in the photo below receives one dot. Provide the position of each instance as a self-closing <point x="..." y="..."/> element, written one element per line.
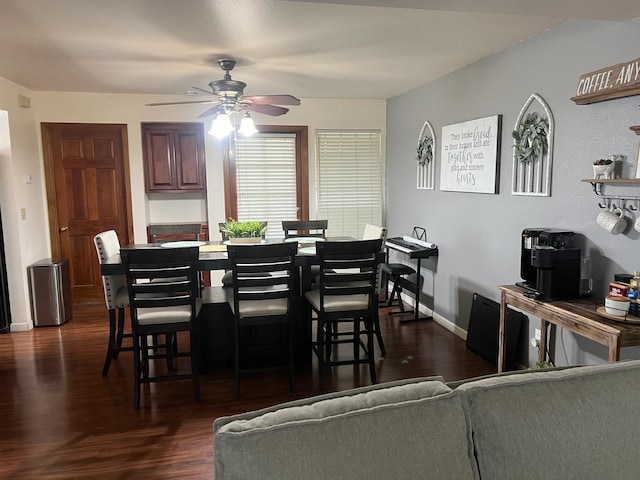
<point x="221" y="126"/>
<point x="247" y="127"/>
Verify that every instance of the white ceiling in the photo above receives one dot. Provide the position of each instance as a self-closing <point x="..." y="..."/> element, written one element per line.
<point x="331" y="49"/>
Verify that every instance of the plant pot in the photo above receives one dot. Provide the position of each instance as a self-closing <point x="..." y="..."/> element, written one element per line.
<point x="604" y="171"/>
<point x="245" y="240"/>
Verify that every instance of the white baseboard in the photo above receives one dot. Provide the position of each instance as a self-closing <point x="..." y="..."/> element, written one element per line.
<point x="439" y="319"/>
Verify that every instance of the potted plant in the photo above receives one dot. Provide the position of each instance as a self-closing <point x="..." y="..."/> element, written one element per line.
<point x="530" y="138"/>
<point x="244" y="232"/>
<point x="603" y="168"/>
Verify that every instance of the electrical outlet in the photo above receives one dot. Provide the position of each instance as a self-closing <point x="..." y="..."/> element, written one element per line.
<point x="538" y="334"/>
<point x="23" y="213"/>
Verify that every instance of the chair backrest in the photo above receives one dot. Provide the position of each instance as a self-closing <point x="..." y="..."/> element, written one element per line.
<point x="175" y="284"/>
<point x="181" y="231"/>
<point x="348" y="268"/>
<point x="263" y="279"/>
<point x="371" y="232"/>
<point x="107" y="245"/>
<point x="305" y="228"/>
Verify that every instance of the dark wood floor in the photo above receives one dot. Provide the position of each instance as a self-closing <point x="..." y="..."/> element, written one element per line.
<point x="61" y="419"/>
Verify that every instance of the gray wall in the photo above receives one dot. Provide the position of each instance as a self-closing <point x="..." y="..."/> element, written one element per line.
<point x="479" y="234"/>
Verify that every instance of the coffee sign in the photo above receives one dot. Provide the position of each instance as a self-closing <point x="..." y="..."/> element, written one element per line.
<point x="621" y="80"/>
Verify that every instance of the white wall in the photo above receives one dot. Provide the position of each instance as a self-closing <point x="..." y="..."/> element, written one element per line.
<point x="26" y="241"/>
<point x="479" y="234"/>
<point x="30" y="242"/>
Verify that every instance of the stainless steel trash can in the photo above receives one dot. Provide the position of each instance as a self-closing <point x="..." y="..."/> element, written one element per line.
<point x="50" y="291"/>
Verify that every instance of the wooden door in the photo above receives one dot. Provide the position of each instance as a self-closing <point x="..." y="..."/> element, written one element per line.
<point x="87" y="177"/>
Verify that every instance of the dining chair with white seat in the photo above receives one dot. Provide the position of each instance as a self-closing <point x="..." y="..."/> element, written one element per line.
<point x="264" y="281"/>
<point x="346" y="294"/>
<point x="167" y="305"/>
<point x="116" y="297"/>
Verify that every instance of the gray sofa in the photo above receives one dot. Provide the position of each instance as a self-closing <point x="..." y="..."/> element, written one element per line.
<point x="575" y="423"/>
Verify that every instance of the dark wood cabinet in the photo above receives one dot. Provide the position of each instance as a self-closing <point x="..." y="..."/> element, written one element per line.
<point x="174" y="158"/>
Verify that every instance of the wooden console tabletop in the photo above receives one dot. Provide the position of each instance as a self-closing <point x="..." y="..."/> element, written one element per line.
<point x="577" y="316"/>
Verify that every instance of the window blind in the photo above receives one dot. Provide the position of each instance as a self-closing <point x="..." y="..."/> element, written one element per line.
<point x="266" y="179"/>
<point x="349" y="180"/>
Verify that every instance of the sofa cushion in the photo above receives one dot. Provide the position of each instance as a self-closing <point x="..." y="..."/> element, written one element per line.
<point x="408" y="431"/>
<point x="576" y="423"/>
<point x="220" y="421"/>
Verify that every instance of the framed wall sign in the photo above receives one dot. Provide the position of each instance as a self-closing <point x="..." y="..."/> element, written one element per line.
<point x="469" y="155"/>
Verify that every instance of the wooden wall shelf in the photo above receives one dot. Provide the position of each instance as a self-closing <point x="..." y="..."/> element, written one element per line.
<point x="611" y="180"/>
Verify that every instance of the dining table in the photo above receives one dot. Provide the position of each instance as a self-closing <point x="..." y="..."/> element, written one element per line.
<point x="217" y="317"/>
<point x="213" y="254"/>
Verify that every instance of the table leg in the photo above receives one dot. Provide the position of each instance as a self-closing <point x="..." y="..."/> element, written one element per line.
<point x="542" y="350"/>
<point x="501" y="342"/>
<point x="614" y="350"/>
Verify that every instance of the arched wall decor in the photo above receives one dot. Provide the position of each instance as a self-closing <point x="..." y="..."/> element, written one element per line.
<point x="426" y="157"/>
<point x="532" y="176"/>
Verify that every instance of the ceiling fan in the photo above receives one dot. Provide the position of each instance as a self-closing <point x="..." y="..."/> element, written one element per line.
<point x="229" y="97"/>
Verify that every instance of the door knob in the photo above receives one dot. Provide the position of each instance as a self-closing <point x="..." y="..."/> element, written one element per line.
<point x="63" y="229"/>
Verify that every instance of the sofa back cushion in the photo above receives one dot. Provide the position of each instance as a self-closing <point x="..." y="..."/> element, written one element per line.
<point x="409" y="431"/>
<point x="577" y="423"/>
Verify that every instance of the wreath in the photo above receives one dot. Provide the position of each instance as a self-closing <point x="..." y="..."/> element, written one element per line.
<point x="425" y="151"/>
<point x="530" y="138"/>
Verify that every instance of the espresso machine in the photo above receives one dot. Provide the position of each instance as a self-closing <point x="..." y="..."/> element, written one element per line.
<point x="549" y="266"/>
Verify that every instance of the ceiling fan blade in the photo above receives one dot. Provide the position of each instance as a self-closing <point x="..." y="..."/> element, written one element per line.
<point x="209" y="92"/>
<point x="271" y="99"/>
<point x="210" y="111"/>
<point x="180" y="103"/>
<point x="267" y="109"/>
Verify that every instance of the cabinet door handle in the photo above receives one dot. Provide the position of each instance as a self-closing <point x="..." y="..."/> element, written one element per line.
<point x="63" y="229"/>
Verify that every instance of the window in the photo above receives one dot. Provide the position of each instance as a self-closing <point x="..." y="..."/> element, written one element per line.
<point x="350" y="175"/>
<point x="267" y="177"/>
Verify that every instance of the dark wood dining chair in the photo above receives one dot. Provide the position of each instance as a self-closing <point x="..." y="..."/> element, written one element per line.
<point x="264" y="279"/>
<point x="178" y="231"/>
<point x="305" y="228"/>
<point x="116" y="297"/>
<point x="346" y="295"/>
<point x="165" y="306"/>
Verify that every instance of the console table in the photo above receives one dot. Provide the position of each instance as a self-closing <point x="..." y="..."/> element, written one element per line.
<point x="577" y="316"/>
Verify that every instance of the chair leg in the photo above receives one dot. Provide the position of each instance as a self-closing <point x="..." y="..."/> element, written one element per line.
<point x="137" y="370"/>
<point x="320" y="351"/>
<point x="236" y="362"/>
<point x="329" y="330"/>
<point x="120" y="332"/>
<point x="193" y="340"/>
<point x="112" y="339"/>
<point x="395" y="292"/>
<point x="143" y="355"/>
<point x="356" y="339"/>
<point x="371" y="352"/>
<point x="292" y="373"/>
<point x="378" y="333"/>
<point x="170" y="349"/>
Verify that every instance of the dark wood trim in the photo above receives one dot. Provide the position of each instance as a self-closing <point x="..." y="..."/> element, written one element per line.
<point x="230" y="182"/>
<point x="302" y="169"/>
